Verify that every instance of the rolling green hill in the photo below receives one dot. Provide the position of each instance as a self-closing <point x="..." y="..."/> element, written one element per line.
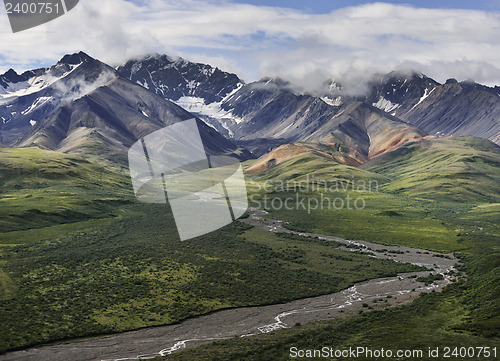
<point x="457" y="168"/>
<point x="39" y="188"/>
<point x="316" y="166"/>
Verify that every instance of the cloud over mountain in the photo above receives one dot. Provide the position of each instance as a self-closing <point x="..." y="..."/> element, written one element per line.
<point x="347" y="44"/>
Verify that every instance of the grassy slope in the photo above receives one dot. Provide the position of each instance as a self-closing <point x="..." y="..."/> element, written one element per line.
<point x="458" y="168"/>
<point x="116" y="264"/>
<point x="40" y="188"/>
<point x="321" y="167"/>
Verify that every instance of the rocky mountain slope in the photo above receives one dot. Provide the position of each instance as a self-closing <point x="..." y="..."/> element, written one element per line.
<point x="90" y="110"/>
<point x="453" y="108"/>
<point x="268" y="113"/>
<point x="27" y="98"/>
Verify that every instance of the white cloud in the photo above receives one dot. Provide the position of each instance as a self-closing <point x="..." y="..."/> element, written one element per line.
<point x="347" y="44"/>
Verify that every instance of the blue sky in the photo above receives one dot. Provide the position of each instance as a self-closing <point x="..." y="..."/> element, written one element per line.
<point x="326" y="6"/>
<point x="303" y="41"/>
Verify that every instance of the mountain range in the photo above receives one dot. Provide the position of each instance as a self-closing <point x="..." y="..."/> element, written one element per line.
<point x="83" y="106"/>
<point x="398" y="107"/>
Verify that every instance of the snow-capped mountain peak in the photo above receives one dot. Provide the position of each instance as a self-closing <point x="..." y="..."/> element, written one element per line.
<point x="174" y="78"/>
<point x="13" y="85"/>
<point x="35" y="94"/>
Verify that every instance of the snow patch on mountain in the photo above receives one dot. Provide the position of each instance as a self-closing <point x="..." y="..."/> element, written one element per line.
<point x="333" y="102"/>
<point x="426" y="94"/>
<point x="34" y="84"/>
<point x="213" y="110"/>
<point x="136" y="67"/>
<point x="144" y="85"/>
<point x="36" y="104"/>
<point x="386" y="105"/>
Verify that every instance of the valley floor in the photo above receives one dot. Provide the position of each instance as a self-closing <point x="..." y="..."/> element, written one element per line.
<point x="379" y="293"/>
